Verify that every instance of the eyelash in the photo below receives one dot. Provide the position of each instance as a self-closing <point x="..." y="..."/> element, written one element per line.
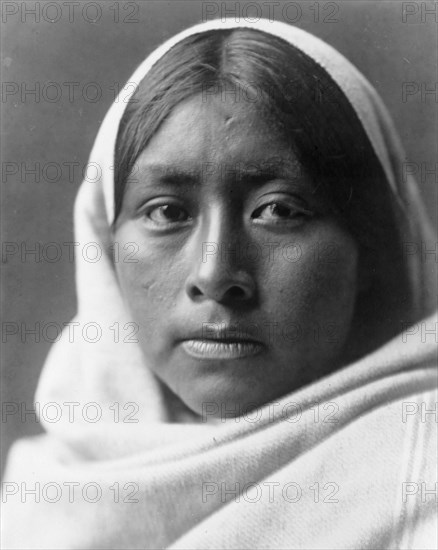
<point x="162" y="206"/>
<point x="298" y="213"/>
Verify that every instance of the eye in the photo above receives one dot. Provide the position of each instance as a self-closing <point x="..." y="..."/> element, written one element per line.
<point x="280" y="212"/>
<point x="273" y="210"/>
<point x="165" y="214"/>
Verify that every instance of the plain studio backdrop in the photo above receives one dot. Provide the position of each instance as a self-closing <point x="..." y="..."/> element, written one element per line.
<point x="62" y="65"/>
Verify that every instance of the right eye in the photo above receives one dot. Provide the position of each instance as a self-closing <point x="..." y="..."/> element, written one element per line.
<point x="166" y="215"/>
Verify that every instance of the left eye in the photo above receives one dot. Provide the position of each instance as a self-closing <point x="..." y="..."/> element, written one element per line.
<point x="168" y="213"/>
<point x="278" y="211"/>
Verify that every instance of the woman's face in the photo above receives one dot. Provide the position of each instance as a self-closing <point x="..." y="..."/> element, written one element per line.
<point x="245" y="285"/>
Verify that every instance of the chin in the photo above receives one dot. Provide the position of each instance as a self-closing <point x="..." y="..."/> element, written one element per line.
<point x="217" y="400"/>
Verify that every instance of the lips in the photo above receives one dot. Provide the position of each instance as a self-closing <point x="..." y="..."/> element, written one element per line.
<point x="221" y="342"/>
<point x="221" y="349"/>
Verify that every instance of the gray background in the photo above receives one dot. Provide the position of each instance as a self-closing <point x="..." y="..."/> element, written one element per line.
<point x="371" y="34"/>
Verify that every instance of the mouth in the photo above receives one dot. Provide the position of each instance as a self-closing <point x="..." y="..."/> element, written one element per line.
<point x="221" y="340"/>
<point x="221" y="349"/>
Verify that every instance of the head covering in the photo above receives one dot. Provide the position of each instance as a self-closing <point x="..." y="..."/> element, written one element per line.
<point x="166" y="480"/>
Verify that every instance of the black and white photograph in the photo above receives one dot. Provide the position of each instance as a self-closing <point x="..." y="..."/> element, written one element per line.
<point x="219" y="275"/>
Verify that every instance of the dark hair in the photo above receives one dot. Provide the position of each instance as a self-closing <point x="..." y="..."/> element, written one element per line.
<point x="324" y="131"/>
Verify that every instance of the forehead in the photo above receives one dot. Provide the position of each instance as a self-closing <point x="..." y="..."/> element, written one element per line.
<point x="220" y="128"/>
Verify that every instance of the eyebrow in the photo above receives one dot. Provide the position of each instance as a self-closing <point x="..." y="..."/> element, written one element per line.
<point x="166" y="173"/>
<point x="250" y="173"/>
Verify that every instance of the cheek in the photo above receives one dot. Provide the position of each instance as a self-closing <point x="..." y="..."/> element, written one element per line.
<point x="150" y="279"/>
<point x="307" y="284"/>
<point x="313" y="283"/>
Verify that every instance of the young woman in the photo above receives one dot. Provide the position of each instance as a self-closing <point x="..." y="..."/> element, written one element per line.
<point x="261" y="246"/>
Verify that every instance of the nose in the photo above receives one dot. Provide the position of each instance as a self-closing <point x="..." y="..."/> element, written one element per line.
<point x="221" y="286"/>
<point x="219" y="272"/>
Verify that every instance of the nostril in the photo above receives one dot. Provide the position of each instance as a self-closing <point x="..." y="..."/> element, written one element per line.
<point x="221" y="291"/>
<point x="195" y="292"/>
<point x="236" y="292"/>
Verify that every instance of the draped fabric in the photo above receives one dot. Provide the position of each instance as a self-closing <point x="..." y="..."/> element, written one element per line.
<point x="348" y="461"/>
